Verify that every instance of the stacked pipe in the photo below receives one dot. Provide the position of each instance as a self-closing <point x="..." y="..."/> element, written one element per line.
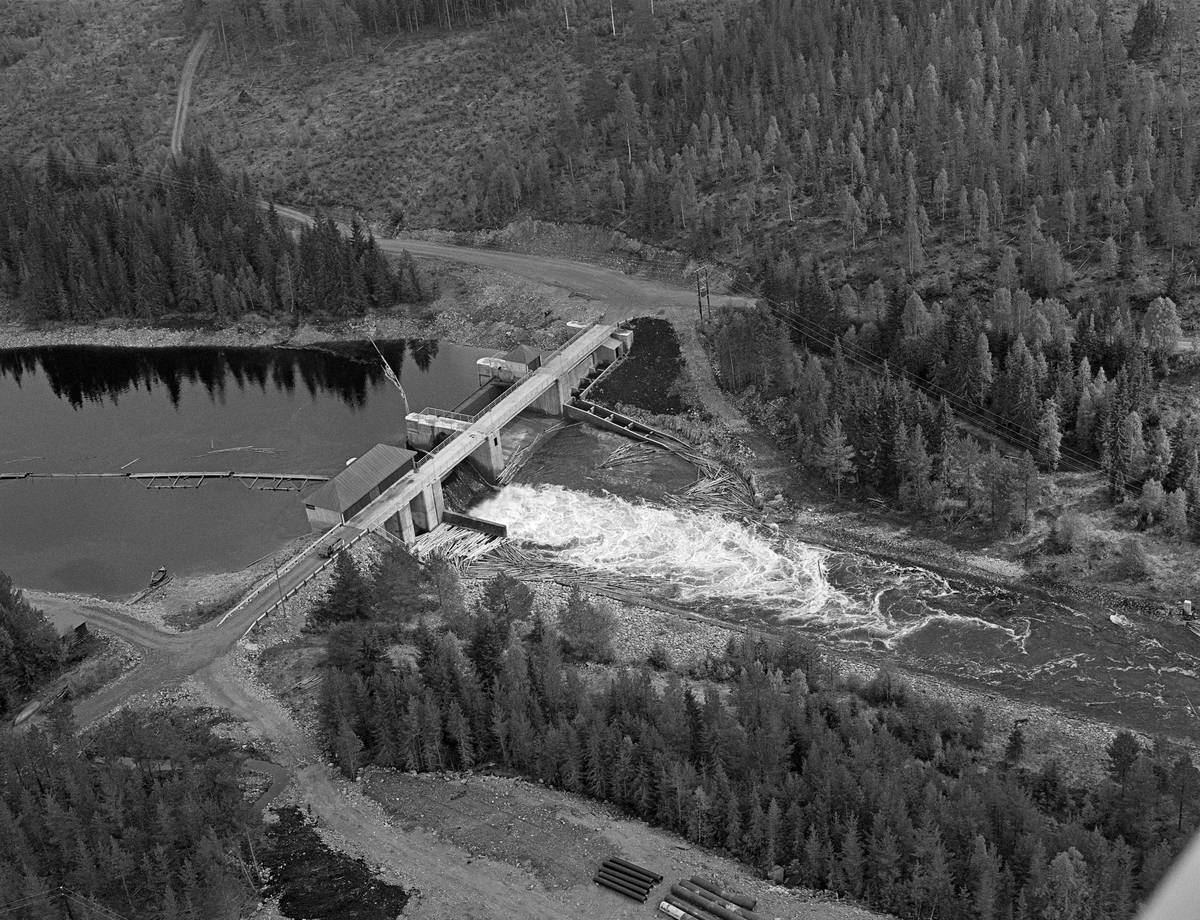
<point x="626" y="878"/>
<point x="741" y="900"/>
<point x="690" y="897"/>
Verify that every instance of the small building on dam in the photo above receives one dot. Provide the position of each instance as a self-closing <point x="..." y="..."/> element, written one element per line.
<point x="355" y="487"/>
<point x="523" y="380"/>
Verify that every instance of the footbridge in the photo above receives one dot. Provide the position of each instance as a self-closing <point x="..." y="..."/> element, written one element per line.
<point x="415" y="504"/>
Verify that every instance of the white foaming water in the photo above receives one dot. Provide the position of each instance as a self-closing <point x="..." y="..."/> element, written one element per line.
<point x="704" y="556"/>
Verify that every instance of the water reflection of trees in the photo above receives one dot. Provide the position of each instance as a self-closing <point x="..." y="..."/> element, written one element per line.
<point x="84" y="373"/>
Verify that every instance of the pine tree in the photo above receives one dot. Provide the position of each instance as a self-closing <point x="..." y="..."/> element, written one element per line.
<point x="884" y="865"/>
<point x="815" y="865"/>
<point x="1066" y="893"/>
<point x="1162" y="329"/>
<point x="914" y="252"/>
<point x="984" y="880"/>
<point x="348" y="596"/>
<point x="459" y="728"/>
<point x="850" y="858"/>
<point x="753" y="841"/>
<point x="397" y="583"/>
<point x="1123" y="752"/>
<point x="1049" y="437"/>
<point x="836" y="455"/>
<point x="347" y="748"/>
<point x="597" y="785"/>
<point x="1128" y="459"/>
<point x="733" y="823"/>
<point x="1015" y="747"/>
<point x="1175" y="519"/>
<point x="771" y="840"/>
<point x="1151" y="502"/>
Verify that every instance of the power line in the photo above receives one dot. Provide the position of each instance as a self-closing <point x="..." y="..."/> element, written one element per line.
<point x="64" y="893"/>
<point x="979" y="416"/>
<point x="35" y="900"/>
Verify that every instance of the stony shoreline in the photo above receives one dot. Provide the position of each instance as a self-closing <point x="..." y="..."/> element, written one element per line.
<point x="15" y="334"/>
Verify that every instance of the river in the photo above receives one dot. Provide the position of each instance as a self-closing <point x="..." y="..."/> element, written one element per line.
<point x="92" y="409"/>
<point x="1135" y="672"/>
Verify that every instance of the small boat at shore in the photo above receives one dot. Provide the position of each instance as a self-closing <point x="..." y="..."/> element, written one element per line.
<point x="159" y="579"/>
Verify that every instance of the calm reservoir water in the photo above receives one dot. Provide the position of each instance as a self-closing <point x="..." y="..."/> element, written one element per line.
<point x="88" y="409"/>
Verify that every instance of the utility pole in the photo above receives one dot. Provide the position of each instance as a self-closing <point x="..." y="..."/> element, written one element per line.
<point x="699" y="298"/>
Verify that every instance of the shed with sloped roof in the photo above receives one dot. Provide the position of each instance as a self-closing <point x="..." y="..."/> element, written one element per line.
<point x="365" y="479"/>
<point x="531" y="358"/>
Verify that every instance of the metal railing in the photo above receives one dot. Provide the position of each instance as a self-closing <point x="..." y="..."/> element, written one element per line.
<point x="445" y="413"/>
<point x="499" y="399"/>
<point x="545" y="361"/>
<point x="307" y="578"/>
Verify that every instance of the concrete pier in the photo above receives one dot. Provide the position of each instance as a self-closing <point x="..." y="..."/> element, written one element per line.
<point x="415" y="504"/>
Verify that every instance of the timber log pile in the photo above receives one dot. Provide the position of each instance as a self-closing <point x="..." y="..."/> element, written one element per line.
<point x="720" y="492"/>
<point x="459" y="545"/>
<point x="632" y="453"/>
<point x="701" y="899"/>
<point x="626" y="878"/>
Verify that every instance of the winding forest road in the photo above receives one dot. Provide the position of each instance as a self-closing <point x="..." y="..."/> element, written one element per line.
<point x="167" y="659"/>
<point x="185" y="90"/>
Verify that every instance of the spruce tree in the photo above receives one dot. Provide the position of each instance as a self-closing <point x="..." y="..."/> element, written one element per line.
<point x="348" y="596"/>
<point x="835" y="455"/>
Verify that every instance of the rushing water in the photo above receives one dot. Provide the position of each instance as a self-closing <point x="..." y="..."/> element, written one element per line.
<point x="84" y="409"/>
<point x="1139" y="672"/>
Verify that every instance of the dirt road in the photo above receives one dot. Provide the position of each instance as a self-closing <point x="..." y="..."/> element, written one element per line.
<point x="185" y="91"/>
<point x="169" y="658"/>
<point x="623" y="297"/>
<point x="481" y="846"/>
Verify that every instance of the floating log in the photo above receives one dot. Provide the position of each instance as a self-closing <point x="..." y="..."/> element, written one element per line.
<point x="741" y="900"/>
<point x="619" y="889"/>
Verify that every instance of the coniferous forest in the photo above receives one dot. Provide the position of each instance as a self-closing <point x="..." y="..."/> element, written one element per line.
<point x="145" y="818"/>
<point x="996" y="201"/>
<point x="863" y="789"/>
<point x="86" y="240"/>
<point x="30" y="651"/>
